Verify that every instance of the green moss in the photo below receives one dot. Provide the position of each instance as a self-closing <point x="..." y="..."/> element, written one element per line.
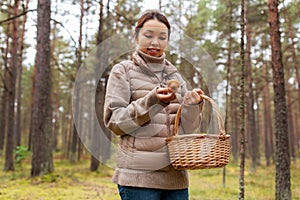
<point x="75" y="181"/>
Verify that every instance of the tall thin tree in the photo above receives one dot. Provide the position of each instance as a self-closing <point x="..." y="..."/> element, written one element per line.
<point x="75" y="138"/>
<point x="292" y="37"/>
<point x="282" y="155"/>
<point x="228" y="73"/>
<point x="18" y="123"/>
<point x="95" y="157"/>
<point x="4" y="52"/>
<point x="242" y="103"/>
<point x="11" y="87"/>
<point x="251" y="132"/>
<point x="268" y="138"/>
<point x="42" y="162"/>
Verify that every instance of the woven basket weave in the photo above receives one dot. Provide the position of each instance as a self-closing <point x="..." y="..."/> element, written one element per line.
<point x="199" y="150"/>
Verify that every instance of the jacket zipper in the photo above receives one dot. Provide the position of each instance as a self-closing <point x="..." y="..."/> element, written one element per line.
<point x="150" y="73"/>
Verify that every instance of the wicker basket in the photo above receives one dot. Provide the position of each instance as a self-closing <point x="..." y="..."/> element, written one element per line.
<point x="199" y="150"/>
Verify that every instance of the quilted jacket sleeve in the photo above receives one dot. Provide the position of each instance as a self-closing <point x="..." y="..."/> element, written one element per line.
<point x="121" y="115"/>
<point x="190" y="115"/>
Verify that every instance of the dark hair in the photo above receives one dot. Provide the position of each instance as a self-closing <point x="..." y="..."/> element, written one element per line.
<point x="148" y="15"/>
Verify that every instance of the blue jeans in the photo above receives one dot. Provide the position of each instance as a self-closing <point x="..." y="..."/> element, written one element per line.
<point x="137" y="193"/>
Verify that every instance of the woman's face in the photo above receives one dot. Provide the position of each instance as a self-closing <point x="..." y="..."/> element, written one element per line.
<point x="153" y="38"/>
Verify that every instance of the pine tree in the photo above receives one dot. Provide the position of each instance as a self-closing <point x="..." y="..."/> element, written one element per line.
<point x="42" y="162"/>
<point x="282" y="155"/>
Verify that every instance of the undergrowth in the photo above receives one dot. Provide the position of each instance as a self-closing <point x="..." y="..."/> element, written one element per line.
<point x="74" y="181"/>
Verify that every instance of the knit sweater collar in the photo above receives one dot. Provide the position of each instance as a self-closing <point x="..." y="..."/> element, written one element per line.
<point x="155" y="64"/>
<point x="152" y="59"/>
<point x="165" y="65"/>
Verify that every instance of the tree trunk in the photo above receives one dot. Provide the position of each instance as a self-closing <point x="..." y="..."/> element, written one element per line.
<point x="19" y="100"/>
<point x="11" y="86"/>
<point x="242" y="103"/>
<point x="55" y="93"/>
<point x="75" y="138"/>
<point x="250" y="98"/>
<point x="74" y="143"/>
<point x="268" y="130"/>
<point x="268" y="109"/>
<point x="2" y="120"/>
<point x="290" y="111"/>
<point x="294" y="56"/>
<point x="42" y="162"/>
<point x="19" y="80"/>
<point x="296" y="120"/>
<point x="70" y="135"/>
<point x="31" y="104"/>
<point x="67" y="124"/>
<point x="282" y="156"/>
<point x="235" y="123"/>
<point x="228" y="75"/>
<point x="95" y="158"/>
<point x="257" y="124"/>
<point x="79" y="149"/>
<point x="117" y="8"/>
<point x="3" y="117"/>
<point x="64" y="136"/>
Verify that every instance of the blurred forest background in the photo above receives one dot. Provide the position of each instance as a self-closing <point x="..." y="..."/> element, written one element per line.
<point x="42" y="51"/>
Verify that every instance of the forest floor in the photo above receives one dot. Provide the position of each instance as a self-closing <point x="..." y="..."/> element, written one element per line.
<point x="75" y="181"/>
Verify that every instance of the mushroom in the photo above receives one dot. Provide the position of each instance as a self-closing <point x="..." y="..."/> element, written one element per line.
<point x="173" y="85"/>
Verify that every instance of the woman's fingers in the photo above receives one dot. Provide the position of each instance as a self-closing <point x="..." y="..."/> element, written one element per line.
<point x="198" y="91"/>
<point x="163" y="91"/>
<point x="165" y="94"/>
<point x="193" y="97"/>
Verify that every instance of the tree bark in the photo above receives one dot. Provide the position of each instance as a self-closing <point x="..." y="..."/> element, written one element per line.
<point x="282" y="155"/>
<point x="75" y="138"/>
<point x="11" y="86"/>
<point x="74" y="143"/>
<point x="55" y="94"/>
<point x="2" y="120"/>
<point x="242" y="103"/>
<point x="250" y="98"/>
<point x="42" y="162"/>
<point x="257" y="81"/>
<point x="18" y="123"/>
<point x="95" y="157"/>
<point x="117" y="19"/>
<point x="268" y="130"/>
<point x="235" y="123"/>
<point x="3" y="117"/>
<point x="31" y="104"/>
<point x="296" y="120"/>
<point x="294" y="56"/>
<point x="290" y="113"/>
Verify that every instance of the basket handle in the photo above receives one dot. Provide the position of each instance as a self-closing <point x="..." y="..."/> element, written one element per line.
<point x="215" y="106"/>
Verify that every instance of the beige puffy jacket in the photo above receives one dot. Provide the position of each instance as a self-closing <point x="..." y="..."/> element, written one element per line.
<point x="143" y="122"/>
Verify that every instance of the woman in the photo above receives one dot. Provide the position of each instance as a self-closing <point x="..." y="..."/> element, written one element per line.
<point x="140" y="108"/>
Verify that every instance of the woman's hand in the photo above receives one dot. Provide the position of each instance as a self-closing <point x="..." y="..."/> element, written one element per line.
<point x="165" y="94"/>
<point x="193" y="97"/>
<point x="168" y="94"/>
